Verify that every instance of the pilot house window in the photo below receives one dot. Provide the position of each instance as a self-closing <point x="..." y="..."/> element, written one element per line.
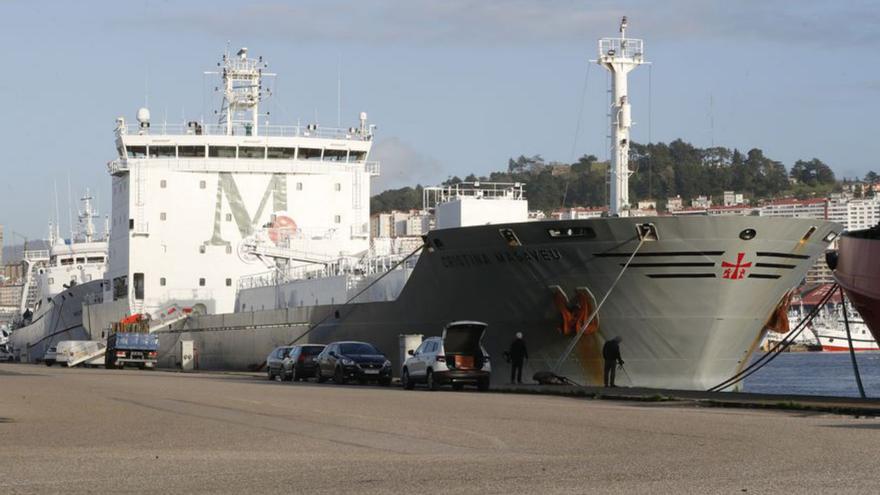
<point x="251" y="152"/>
<point x="221" y="151"/>
<point x="191" y="151"/>
<point x="281" y="153"/>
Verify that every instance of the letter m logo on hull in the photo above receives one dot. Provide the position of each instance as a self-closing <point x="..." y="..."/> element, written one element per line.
<point x="277" y="189"/>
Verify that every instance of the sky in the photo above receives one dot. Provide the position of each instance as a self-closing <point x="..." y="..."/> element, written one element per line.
<point x="454" y="86"/>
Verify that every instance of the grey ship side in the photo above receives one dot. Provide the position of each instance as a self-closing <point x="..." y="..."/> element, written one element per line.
<point x="690" y="308"/>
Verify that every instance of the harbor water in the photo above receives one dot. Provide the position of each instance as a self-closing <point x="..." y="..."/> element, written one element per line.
<point x="817" y="373"/>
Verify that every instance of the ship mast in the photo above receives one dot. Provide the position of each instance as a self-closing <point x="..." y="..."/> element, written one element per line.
<point x="242" y="91"/>
<point x="620" y="56"/>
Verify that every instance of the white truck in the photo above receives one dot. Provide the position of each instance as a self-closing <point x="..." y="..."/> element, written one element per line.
<point x="76" y="353"/>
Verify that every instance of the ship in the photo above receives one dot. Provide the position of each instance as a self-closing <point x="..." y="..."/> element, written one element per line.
<point x="856" y="266"/>
<point x="58" y="281"/>
<point x="262" y="234"/>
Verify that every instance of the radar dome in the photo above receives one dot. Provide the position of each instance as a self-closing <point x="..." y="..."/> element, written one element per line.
<point x="143" y="115"/>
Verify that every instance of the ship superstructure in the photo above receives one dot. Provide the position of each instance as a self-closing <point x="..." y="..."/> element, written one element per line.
<point x="198" y="206"/>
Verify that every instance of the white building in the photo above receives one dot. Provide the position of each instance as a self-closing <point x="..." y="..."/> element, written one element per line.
<point x="731" y="198"/>
<point x="701" y="202"/>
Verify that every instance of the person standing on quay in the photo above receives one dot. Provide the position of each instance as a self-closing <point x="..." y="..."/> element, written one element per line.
<point x="518" y="354"/>
<point x="611" y="353"/>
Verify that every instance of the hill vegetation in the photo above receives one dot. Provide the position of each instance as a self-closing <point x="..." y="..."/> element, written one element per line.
<point x="662" y="171"/>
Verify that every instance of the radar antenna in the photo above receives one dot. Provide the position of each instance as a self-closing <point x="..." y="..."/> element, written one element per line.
<point x="242" y="91"/>
<point x="620" y="56"/>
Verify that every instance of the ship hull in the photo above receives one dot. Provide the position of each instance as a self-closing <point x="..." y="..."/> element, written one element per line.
<point x="690" y="308"/>
<point x="59" y="318"/>
<point x="858" y="272"/>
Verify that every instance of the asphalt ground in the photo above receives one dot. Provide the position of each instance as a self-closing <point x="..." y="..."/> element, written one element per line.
<point x="95" y="430"/>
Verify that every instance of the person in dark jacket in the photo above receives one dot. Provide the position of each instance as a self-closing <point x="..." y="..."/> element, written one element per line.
<point x="518" y="354"/>
<point x="611" y="353"/>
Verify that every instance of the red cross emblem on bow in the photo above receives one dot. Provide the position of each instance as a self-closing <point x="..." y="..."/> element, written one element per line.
<point x="735" y="271"/>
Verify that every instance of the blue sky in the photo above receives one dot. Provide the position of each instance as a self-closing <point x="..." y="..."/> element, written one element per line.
<point x="455" y="86"/>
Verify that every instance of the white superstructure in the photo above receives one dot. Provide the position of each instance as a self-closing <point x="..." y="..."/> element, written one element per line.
<point x="198" y="206"/>
<point x="620" y="56"/>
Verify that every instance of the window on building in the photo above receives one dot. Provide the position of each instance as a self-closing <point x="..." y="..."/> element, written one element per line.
<point x="136" y="151"/>
<point x="162" y="281"/>
<point x="202" y="184"/>
<point x="221" y="151"/>
<point x="337" y="187"/>
<point x="202" y="249"/>
<point x="201" y="282"/>
<point x="228" y="282"/>
<point x="191" y="151"/>
<point x="337" y="219"/>
<point x="299" y="186"/>
<point x="138" y="279"/>
<point x="335" y="155"/>
<point x="309" y="154"/>
<point x="281" y="153"/>
<point x="251" y="152"/>
<point x="163" y="151"/>
<point x="163" y="184"/>
<point x="163" y="216"/>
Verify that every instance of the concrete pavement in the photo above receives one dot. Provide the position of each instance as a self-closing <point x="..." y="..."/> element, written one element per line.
<point x="87" y="430"/>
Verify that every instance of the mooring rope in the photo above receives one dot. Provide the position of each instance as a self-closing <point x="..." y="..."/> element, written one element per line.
<point x="852" y="352"/>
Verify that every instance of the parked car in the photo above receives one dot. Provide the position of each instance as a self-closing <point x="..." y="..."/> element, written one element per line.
<point x="360" y="361"/>
<point x="275" y="361"/>
<point x="300" y="362"/>
<point x="457" y="358"/>
<point x="49" y="357"/>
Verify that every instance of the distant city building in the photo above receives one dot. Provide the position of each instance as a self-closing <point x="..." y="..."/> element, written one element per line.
<point x="537" y="215"/>
<point x="648" y="204"/>
<point x="701" y="202"/>
<point x="673" y="204"/>
<point x="796" y="208"/>
<point x="10" y="296"/>
<point x="731" y="198"/>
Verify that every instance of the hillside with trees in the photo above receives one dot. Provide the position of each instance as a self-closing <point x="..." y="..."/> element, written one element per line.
<point x="662" y="170"/>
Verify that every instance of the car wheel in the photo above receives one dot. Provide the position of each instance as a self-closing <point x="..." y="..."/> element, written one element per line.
<point x="406" y="381"/>
<point x="457" y="386"/>
<point x="483" y="385"/>
<point x="339" y="376"/>
<point x="48" y="362"/>
<point x="432" y="383"/>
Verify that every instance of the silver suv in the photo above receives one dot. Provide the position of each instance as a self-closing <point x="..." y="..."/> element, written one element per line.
<point x="457" y="357"/>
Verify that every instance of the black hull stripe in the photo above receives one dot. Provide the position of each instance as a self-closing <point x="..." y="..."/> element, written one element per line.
<point x="681" y="275"/>
<point x="783" y="255"/>
<point x="666" y="253"/>
<point x="671" y="264"/>
<point x="775" y="265"/>
<point x="763" y="275"/>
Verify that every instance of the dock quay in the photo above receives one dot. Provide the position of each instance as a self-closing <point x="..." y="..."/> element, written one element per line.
<point x="821" y="404"/>
<point x="75" y="430"/>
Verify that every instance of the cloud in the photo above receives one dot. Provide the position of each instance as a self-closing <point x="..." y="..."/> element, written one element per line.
<point x="461" y="22"/>
<point x="401" y="165"/>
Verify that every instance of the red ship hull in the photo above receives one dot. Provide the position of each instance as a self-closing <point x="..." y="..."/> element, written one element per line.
<point x="858" y="272"/>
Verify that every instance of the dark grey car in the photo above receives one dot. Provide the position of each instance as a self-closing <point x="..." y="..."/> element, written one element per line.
<point x="275" y="361"/>
<point x="300" y="363"/>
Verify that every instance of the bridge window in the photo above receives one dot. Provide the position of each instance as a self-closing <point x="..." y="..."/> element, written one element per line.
<point x="228" y="282"/>
<point x="335" y="155"/>
<point x="163" y="216"/>
<point x="337" y="219"/>
<point x="163" y="152"/>
<point x="162" y="281"/>
<point x="221" y="151"/>
<point x="251" y="152"/>
<point x="202" y="184"/>
<point x="357" y="156"/>
<point x="309" y="154"/>
<point x="191" y="151"/>
<point x="136" y="151"/>
<point x="281" y="153"/>
<point x="337" y="187"/>
<point x="95" y="259"/>
<point x="201" y="282"/>
<point x="163" y="183"/>
<point x="299" y="186"/>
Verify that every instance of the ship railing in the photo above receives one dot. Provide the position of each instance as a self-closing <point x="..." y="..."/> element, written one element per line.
<point x="432" y="196"/>
<point x="622" y="47"/>
<point x="343" y="266"/>
<point x="245" y="130"/>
